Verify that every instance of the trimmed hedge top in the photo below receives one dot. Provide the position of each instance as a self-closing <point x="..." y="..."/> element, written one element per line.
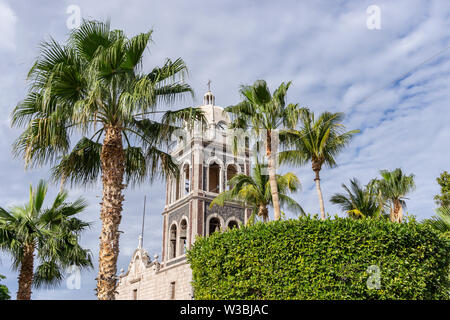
<point x="312" y="259"/>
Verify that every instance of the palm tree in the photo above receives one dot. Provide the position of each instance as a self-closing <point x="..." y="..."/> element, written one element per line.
<point x="393" y="186"/>
<point x="51" y="233"/>
<point x="318" y="141"/>
<point x="4" y="291"/>
<point x="265" y="114"/>
<point x="254" y="192"/>
<point x="93" y="87"/>
<point x="358" y="202"/>
<point x="441" y="222"/>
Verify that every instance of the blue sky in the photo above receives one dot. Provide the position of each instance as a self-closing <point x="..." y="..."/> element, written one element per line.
<point x="377" y="77"/>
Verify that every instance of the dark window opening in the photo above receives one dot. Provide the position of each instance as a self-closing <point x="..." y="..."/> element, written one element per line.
<point x="205" y="172"/>
<point x="231" y="172"/>
<point x="214" y="178"/>
<point x="177" y="189"/>
<point x="187" y="182"/>
<point x="173" y="242"/>
<point x="183" y="237"/>
<point x="233" y="224"/>
<point x="172" y="290"/>
<point x="214" y="225"/>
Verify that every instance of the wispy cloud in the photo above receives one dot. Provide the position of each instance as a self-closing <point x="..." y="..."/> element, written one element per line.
<point x="324" y="47"/>
<point x="8" y="21"/>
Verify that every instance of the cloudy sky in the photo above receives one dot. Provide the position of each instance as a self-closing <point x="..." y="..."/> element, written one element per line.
<point x="391" y="82"/>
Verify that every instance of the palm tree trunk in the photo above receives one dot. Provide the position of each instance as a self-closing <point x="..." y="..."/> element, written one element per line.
<point x="263" y="212"/>
<point x="319" y="193"/>
<point x="397" y="212"/>
<point x="272" y="177"/>
<point x="26" y="273"/>
<point x="113" y="164"/>
<point x="400" y="214"/>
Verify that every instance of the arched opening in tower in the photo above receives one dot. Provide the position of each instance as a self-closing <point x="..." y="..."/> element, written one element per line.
<point x="214" y="178"/>
<point x="214" y="225"/>
<point x="183" y="236"/>
<point x="231" y="172"/>
<point x="177" y="188"/>
<point x="187" y="182"/>
<point x="221" y="126"/>
<point x="173" y="242"/>
<point x="233" y="224"/>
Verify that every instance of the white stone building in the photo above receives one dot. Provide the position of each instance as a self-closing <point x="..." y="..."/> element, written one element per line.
<point x="206" y="163"/>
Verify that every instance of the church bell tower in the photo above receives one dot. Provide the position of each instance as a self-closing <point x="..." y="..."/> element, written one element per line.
<point x="206" y="162"/>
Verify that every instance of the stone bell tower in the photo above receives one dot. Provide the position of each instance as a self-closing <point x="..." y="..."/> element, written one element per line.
<point x="203" y="152"/>
<point x="206" y="162"/>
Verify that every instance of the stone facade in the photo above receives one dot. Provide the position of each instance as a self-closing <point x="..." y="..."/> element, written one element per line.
<point x="146" y="280"/>
<point x="206" y="163"/>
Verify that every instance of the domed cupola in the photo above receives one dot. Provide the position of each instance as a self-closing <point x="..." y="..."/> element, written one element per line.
<point x="208" y="98"/>
<point x="213" y="114"/>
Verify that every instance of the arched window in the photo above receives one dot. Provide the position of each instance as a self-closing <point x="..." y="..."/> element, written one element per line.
<point x="173" y="242"/>
<point x="221" y="126"/>
<point x="233" y="224"/>
<point x="169" y="189"/>
<point x="231" y="172"/>
<point x="186" y="179"/>
<point x="181" y="141"/>
<point x="177" y="187"/>
<point x="214" y="225"/>
<point x="183" y="236"/>
<point x="214" y="178"/>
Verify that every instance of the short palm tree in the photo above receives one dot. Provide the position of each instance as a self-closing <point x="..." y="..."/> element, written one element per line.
<point x="358" y="202"/>
<point x="441" y="222"/>
<point x="266" y="114"/>
<point x="254" y="192"/>
<point x="393" y="187"/>
<point x="4" y="291"/>
<point x="319" y="141"/>
<point x="52" y="233"/>
<point x="93" y="89"/>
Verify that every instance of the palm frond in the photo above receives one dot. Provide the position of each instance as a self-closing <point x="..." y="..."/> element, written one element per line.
<point x="358" y="201"/>
<point x="90" y="36"/>
<point x="291" y="204"/>
<point x="81" y="165"/>
<point x="47" y="275"/>
<point x="134" y="50"/>
<point x="318" y="140"/>
<point x="441" y="222"/>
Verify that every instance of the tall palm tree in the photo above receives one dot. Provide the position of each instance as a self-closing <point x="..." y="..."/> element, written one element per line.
<point x="94" y="87"/>
<point x="254" y="192"/>
<point x="393" y="187"/>
<point x="52" y="233"/>
<point x="358" y="202"/>
<point x="266" y="114"/>
<point x="319" y="141"/>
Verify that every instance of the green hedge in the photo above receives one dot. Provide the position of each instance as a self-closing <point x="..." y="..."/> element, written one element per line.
<point x="313" y="259"/>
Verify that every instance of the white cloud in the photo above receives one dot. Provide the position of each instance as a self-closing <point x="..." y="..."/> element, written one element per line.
<point x="335" y="62"/>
